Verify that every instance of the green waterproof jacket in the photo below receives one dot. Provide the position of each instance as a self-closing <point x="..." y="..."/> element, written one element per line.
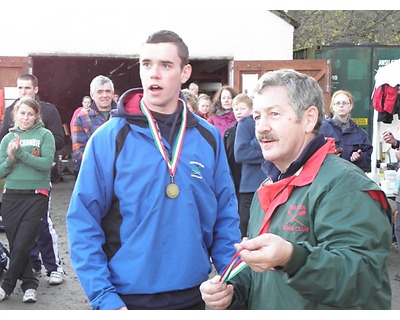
<point x="339" y="221"/>
<point x="34" y="159"/>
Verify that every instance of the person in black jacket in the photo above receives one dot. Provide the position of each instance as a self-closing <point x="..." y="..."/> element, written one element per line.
<point x="47" y="241"/>
<point x="27" y="86"/>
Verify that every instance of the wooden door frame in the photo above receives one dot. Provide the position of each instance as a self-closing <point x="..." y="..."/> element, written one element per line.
<point x="11" y="68"/>
<point x="319" y="69"/>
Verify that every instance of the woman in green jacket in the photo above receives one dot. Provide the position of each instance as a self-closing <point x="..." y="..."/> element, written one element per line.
<point x="26" y="156"/>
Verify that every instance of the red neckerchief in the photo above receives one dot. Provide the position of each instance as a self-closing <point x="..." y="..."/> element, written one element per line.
<point x="274" y="194"/>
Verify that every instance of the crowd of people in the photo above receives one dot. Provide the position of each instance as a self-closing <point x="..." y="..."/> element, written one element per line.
<point x="172" y="182"/>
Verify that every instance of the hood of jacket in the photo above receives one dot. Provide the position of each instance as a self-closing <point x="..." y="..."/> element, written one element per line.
<point x="38" y="124"/>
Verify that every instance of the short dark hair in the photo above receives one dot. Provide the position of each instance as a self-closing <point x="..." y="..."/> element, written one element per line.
<point x="166" y="36"/>
<point x="29" y="77"/>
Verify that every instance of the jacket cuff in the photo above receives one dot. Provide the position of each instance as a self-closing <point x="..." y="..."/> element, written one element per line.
<point x="298" y="259"/>
<point x="18" y="152"/>
<point x="9" y="163"/>
<point x="397" y="145"/>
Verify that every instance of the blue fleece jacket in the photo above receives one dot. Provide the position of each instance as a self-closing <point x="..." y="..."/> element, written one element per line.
<point x="248" y="153"/>
<point x="351" y="139"/>
<point x="155" y="244"/>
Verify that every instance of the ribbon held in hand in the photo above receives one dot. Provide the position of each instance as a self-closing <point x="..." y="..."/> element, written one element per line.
<point x="233" y="268"/>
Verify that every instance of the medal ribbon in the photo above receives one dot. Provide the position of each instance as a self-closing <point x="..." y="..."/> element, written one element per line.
<point x="233" y="268"/>
<point x="176" y="151"/>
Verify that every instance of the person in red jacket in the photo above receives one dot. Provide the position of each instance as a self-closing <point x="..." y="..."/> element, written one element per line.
<point x="204" y="104"/>
<point x="86" y="103"/>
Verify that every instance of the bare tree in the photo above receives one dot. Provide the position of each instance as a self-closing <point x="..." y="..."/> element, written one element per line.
<point x="322" y="27"/>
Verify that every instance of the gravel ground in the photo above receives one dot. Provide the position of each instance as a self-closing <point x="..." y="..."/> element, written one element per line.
<point x="68" y="295"/>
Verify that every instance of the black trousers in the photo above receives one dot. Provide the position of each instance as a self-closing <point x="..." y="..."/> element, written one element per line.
<point x="187" y="299"/>
<point x="22" y="214"/>
<point x="245" y="200"/>
<point x="46" y="247"/>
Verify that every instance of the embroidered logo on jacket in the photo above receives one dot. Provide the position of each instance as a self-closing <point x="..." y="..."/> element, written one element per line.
<point x="294" y="222"/>
<point x="196" y="169"/>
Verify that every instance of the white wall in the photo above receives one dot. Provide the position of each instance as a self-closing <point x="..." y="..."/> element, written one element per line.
<point x="114" y="28"/>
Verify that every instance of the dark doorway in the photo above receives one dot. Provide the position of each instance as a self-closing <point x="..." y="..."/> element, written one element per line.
<point x="63" y="81"/>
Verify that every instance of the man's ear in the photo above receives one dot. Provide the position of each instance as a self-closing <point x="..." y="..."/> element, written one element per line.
<point x="311" y="117"/>
<point x="186" y="73"/>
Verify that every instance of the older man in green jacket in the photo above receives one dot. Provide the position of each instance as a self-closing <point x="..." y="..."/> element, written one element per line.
<point x="320" y="230"/>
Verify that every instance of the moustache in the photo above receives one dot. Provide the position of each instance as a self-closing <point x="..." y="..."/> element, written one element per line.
<point x="266" y="137"/>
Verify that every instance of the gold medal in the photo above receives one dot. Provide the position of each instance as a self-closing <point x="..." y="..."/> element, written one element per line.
<point x="171" y="159"/>
<point x="172" y="191"/>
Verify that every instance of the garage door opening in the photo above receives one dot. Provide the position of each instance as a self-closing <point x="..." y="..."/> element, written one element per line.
<point x="63" y="81"/>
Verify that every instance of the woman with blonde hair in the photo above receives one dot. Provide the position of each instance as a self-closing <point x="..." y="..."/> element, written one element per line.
<point x="26" y="157"/>
<point x="191" y="100"/>
<point x="204" y="104"/>
<point x="352" y="142"/>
